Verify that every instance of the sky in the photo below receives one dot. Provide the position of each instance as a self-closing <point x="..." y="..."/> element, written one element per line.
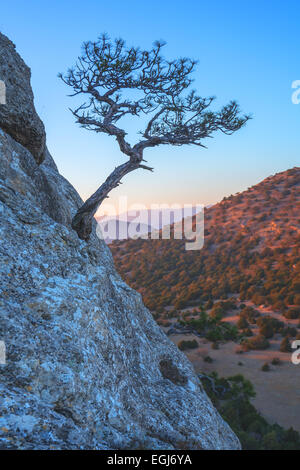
<point x="247" y="51"/>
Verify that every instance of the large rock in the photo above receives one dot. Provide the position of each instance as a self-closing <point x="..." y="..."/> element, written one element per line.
<point x="87" y="366"/>
<point x="18" y="117"/>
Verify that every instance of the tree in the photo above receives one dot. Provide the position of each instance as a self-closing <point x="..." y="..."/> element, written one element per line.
<point x="107" y="75"/>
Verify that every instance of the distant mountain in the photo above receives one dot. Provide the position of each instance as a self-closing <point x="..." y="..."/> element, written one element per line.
<point x="133" y="224"/>
<point x="115" y="229"/>
<point x="251" y="251"/>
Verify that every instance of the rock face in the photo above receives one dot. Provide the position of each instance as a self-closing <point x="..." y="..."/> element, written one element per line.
<point x="87" y="367"/>
<point x="19" y="118"/>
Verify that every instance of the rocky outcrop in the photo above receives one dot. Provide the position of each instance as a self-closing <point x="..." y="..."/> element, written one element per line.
<point x="18" y="117"/>
<point x="87" y="366"/>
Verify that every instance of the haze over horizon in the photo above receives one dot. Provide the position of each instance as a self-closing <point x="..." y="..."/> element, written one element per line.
<point x="257" y="70"/>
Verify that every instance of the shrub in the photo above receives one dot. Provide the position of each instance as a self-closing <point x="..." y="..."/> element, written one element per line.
<point x="214" y="334"/>
<point x="265" y="367"/>
<point x="289" y="331"/>
<point x="208" y="359"/>
<point x="256" y="343"/>
<point x="276" y="361"/>
<point x="242" y="323"/>
<point x="270" y="324"/>
<point x="186" y="344"/>
<point x="266" y="330"/>
<point x="292" y="313"/>
<point x="250" y="314"/>
<point x="285" y="345"/>
<point x="217" y="312"/>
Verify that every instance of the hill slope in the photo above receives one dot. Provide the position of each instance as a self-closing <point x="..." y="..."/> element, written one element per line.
<point x="251" y="250"/>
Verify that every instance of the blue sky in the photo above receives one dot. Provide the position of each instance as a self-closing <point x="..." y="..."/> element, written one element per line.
<point x="248" y="51"/>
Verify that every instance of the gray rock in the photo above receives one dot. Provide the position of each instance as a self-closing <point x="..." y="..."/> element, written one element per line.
<point x="18" y="116"/>
<point x="87" y="366"/>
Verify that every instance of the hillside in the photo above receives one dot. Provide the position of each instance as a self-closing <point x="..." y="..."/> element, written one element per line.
<point x="251" y="250"/>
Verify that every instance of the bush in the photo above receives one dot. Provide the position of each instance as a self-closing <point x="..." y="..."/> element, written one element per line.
<point x="269" y="324"/>
<point x="285" y="345"/>
<point x="242" y="323"/>
<point x="214" y="334"/>
<point x="250" y="314"/>
<point x="186" y="344"/>
<point x="266" y="331"/>
<point x="265" y="367"/>
<point x="217" y="312"/>
<point x="208" y="359"/>
<point x="256" y="343"/>
<point x="276" y="361"/>
<point x="292" y="313"/>
<point x="289" y="331"/>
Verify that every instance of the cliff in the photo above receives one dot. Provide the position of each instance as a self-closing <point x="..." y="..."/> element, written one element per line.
<point x="87" y="367"/>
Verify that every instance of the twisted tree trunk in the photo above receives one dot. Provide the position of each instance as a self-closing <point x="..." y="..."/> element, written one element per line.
<point x="83" y="219"/>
